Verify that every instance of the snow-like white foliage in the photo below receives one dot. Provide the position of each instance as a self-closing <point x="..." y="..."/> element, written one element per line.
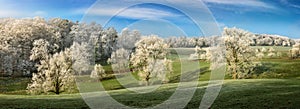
<point x="82" y="32"/>
<point x="279" y="54"/>
<point x="255" y="40"/>
<point x="42" y="50"/>
<point x="108" y="42"/>
<point x="271" y="49"/>
<point x="18" y="36"/>
<point x="216" y="54"/>
<point x="62" y="38"/>
<point x="83" y="56"/>
<point x="260" y="55"/>
<point x="120" y="60"/>
<point x="103" y="40"/>
<point x="98" y="72"/>
<point x="159" y="69"/>
<point x="271" y="53"/>
<point x="271" y="40"/>
<point x="127" y="39"/>
<point x="200" y="53"/>
<point x="55" y="76"/>
<point x="185" y="42"/>
<point x="295" y="51"/>
<point x="149" y="51"/>
<point x="239" y="55"/>
<point x="263" y="50"/>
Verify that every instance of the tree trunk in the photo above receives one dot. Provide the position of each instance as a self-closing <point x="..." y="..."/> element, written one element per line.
<point x="57" y="86"/>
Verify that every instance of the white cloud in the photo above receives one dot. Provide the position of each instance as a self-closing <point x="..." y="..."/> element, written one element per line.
<point x="21" y="13"/>
<point x="146" y="13"/>
<point x="40" y="13"/>
<point x="135" y="13"/>
<point x="221" y="25"/>
<point x="252" y="3"/>
<point x="10" y="13"/>
<point x="289" y="4"/>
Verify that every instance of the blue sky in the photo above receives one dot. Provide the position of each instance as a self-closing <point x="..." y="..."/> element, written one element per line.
<point x="280" y="17"/>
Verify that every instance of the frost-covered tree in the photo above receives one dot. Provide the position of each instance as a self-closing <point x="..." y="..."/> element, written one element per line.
<point x="82" y="32"/>
<point x="88" y="33"/>
<point x="271" y="52"/>
<point x="239" y="55"/>
<point x="264" y="50"/>
<point x="83" y="56"/>
<point x="103" y="40"/>
<point x="259" y="54"/>
<point x="98" y="72"/>
<point x="62" y="29"/>
<point x="120" y="60"/>
<point x="159" y="70"/>
<point x="17" y="36"/>
<point x="41" y="53"/>
<point x="127" y="39"/>
<point x="42" y="50"/>
<point x="278" y="42"/>
<point x="56" y="76"/>
<point x="108" y="42"/>
<point x="295" y="51"/>
<point x="279" y="54"/>
<point x="200" y="53"/>
<point x="149" y="51"/>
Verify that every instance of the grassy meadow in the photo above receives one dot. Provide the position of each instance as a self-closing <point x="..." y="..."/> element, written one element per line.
<point x="275" y="84"/>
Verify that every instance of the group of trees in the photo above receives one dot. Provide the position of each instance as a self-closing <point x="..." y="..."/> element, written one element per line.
<point x="186" y="42"/>
<point x="255" y="40"/>
<point x="240" y="56"/>
<point x="271" y="40"/>
<point x="23" y="39"/>
<point x="53" y="51"/>
<point x="17" y="37"/>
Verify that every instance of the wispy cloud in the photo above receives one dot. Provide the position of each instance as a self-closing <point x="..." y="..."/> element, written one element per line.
<point x="14" y="9"/>
<point x="10" y="13"/>
<point x="250" y="3"/>
<point x="289" y="4"/>
<point x="40" y="13"/>
<point x="133" y="13"/>
<point x="21" y="13"/>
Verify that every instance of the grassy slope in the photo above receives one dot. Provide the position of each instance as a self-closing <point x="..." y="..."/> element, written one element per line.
<point x="263" y="93"/>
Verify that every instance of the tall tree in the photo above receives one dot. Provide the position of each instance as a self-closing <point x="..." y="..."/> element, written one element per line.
<point x="149" y="52"/>
<point x="239" y="55"/>
<point x="83" y="56"/>
<point x="57" y="75"/>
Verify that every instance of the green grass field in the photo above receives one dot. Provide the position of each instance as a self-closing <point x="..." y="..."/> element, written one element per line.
<point x="252" y="93"/>
<point x="275" y="84"/>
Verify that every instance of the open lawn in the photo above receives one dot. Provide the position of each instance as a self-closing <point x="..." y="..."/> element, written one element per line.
<point x="253" y="93"/>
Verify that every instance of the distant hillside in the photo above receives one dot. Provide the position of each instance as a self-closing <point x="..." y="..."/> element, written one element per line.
<point x="257" y="40"/>
<point x="271" y="40"/>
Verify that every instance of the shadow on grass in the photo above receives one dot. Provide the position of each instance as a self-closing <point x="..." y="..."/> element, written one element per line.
<point x="41" y="102"/>
<point x="204" y="75"/>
